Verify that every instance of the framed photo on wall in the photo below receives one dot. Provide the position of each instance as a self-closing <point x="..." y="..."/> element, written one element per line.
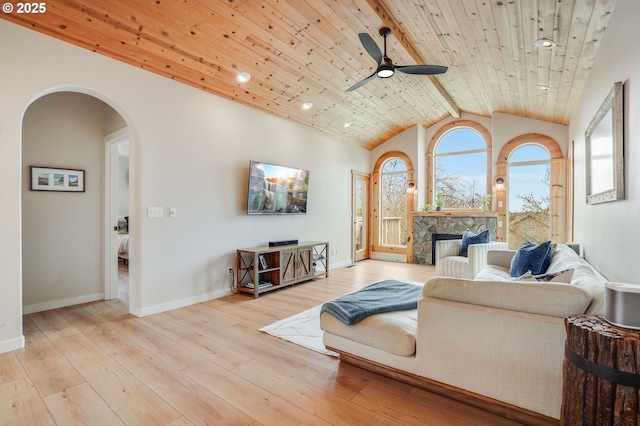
<point x="56" y="179"/>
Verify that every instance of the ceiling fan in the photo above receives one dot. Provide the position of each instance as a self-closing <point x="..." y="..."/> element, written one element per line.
<point x="385" y="66"/>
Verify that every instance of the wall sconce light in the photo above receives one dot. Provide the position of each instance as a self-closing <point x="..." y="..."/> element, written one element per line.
<point x="499" y="183"/>
<point x="411" y="187"/>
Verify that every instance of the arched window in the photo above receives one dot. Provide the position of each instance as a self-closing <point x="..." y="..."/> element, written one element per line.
<point x="524" y="152"/>
<point x="460" y="159"/>
<point x="529" y="195"/>
<point x="459" y="165"/>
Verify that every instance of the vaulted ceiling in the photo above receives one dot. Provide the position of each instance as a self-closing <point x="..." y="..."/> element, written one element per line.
<point x="301" y="51"/>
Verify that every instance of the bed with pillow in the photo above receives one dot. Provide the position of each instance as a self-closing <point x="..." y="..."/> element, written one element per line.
<point x="496" y="341"/>
<point x="123" y="239"/>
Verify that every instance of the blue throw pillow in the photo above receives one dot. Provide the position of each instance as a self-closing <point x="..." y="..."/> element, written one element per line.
<point x="531" y="257"/>
<point x="469" y="238"/>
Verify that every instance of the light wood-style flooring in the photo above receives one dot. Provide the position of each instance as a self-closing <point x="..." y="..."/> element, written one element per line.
<point x="94" y="364"/>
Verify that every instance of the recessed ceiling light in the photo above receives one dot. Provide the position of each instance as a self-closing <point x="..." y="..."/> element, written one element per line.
<point x="307" y="105"/>
<point x="543" y="87"/>
<point x="348" y="124"/>
<point x="545" y="43"/>
<point x="243" y="77"/>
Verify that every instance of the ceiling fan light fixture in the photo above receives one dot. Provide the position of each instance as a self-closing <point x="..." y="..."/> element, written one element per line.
<point x="545" y="43"/>
<point x="385" y="71"/>
<point x="243" y="77"/>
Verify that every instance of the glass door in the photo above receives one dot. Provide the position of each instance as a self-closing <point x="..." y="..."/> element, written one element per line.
<point x="360" y="215"/>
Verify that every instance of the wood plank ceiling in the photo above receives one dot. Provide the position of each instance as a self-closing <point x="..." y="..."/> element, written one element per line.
<point x="308" y="51"/>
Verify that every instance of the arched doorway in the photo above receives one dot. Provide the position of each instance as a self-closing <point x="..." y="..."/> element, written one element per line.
<point x="64" y="235"/>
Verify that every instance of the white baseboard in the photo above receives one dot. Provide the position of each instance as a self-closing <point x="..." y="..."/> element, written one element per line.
<point x="61" y="303"/>
<point x="340" y="264"/>
<point x="175" y="304"/>
<point x="12" y="345"/>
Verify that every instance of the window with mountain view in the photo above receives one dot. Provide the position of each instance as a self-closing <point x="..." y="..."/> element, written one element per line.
<point x="529" y="197"/>
<point x="460" y="159"/>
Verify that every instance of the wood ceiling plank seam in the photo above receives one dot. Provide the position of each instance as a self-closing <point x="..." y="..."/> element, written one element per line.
<point x="140" y="42"/>
<point x="544" y="75"/>
<point x="562" y="25"/>
<point x="183" y="37"/>
<point x="520" y="46"/>
<point x="321" y="87"/>
<point x="431" y="13"/>
<point x="578" y="32"/>
<point x="84" y="36"/>
<point x="459" y="23"/>
<point x="390" y="21"/>
<point x="489" y="18"/>
<point x="599" y="19"/>
<point x="329" y="36"/>
<point x="485" y="104"/>
<point x="534" y="57"/>
<point x="275" y="50"/>
<point x="488" y="76"/>
<point x="507" y="39"/>
<point x="324" y="52"/>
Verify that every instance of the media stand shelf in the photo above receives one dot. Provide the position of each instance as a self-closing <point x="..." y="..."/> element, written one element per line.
<point x="262" y="269"/>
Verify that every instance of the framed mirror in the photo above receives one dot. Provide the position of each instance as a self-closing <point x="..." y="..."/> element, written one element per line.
<point x="604" y="150"/>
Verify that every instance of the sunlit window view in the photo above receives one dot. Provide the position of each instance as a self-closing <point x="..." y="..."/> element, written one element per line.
<point x="529" y="196"/>
<point x="393" y="203"/>
<point x="461" y="169"/>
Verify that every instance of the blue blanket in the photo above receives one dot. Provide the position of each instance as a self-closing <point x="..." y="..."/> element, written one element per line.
<point x="382" y="296"/>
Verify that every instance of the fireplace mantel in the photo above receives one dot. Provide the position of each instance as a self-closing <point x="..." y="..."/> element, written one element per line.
<point x="424" y="224"/>
<point x="456" y="213"/>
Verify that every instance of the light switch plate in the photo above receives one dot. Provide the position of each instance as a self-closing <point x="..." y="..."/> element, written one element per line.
<point x="173" y="212"/>
<point x="155" y="212"/>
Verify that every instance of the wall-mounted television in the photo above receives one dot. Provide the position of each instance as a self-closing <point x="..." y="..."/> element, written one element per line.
<point x="277" y="189"/>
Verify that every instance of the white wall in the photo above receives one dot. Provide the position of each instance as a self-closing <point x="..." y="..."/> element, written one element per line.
<point x="62" y="232"/>
<point x="189" y="150"/>
<point x="609" y="231"/>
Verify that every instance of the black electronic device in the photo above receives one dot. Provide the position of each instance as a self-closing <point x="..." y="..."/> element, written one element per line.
<point x="282" y="243"/>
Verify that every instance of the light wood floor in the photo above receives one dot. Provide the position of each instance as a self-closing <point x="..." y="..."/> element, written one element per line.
<point x="208" y="364"/>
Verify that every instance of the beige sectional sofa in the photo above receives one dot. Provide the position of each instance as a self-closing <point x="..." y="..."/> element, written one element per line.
<point x="493" y="341"/>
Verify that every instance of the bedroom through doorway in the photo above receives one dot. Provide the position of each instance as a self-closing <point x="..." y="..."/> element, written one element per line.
<point x="118" y="201"/>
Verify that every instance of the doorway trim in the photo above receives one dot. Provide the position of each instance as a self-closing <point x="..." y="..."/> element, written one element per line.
<point x="355" y="176"/>
<point x="112" y="142"/>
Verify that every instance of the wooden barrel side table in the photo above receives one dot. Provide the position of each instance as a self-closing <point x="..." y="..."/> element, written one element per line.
<point x="600" y="380"/>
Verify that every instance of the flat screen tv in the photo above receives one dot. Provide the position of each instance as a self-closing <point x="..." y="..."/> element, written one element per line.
<point x="277" y="189"/>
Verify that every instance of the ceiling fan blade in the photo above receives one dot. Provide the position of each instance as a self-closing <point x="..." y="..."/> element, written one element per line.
<point x="421" y="69"/>
<point x="362" y="82"/>
<point x="371" y="47"/>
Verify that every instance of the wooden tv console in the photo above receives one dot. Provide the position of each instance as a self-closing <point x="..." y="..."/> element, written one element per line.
<point x="262" y="269"/>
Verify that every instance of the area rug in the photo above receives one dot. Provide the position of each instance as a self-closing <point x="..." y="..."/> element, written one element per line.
<point x="302" y="329"/>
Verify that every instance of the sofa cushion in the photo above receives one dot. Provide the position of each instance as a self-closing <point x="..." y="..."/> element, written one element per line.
<point x="469" y="237"/>
<point x="531" y="257"/>
<point x="393" y="332"/>
<point x="553" y="299"/>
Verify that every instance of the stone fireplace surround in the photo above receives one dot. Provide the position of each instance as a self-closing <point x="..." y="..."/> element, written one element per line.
<point x="425" y="224"/>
